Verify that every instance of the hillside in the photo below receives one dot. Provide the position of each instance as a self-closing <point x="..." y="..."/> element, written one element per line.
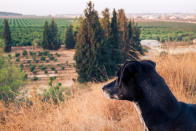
<point x="9" y="14"/>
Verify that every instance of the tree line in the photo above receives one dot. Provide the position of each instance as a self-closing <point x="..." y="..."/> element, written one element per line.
<point x="104" y="43"/>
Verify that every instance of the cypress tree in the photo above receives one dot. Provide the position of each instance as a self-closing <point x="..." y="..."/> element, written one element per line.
<point x="123" y="35"/>
<point x="116" y="55"/>
<point x="69" y="38"/>
<point x="7" y="37"/>
<point x="45" y="42"/>
<point x="54" y="43"/>
<point x="91" y="55"/>
<point x="105" y="22"/>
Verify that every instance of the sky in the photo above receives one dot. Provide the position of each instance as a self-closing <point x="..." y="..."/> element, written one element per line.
<point x="53" y="7"/>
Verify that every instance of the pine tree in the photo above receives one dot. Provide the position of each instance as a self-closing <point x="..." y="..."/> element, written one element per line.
<point x="91" y="53"/>
<point x="69" y="41"/>
<point x="45" y="36"/>
<point x="7" y="37"/>
<point x="105" y="22"/>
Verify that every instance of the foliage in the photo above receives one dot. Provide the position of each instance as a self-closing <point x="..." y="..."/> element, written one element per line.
<point x="91" y="45"/>
<point x="50" y="36"/>
<point x="24" y="53"/>
<point x="55" y="93"/>
<point x="69" y="41"/>
<point x="32" y="67"/>
<point x="11" y="78"/>
<point x="7" y="37"/>
<point x="35" y="78"/>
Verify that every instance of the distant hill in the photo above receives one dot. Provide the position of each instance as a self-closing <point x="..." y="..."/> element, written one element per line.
<point x="9" y="14"/>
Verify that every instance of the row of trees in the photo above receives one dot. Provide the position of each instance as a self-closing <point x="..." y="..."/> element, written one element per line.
<point x="103" y="44"/>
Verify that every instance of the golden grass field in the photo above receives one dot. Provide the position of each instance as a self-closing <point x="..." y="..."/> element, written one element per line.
<point x="88" y="110"/>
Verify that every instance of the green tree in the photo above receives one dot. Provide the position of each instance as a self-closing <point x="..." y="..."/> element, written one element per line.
<point x="69" y="38"/>
<point x="45" y="42"/>
<point x="91" y="54"/>
<point x="123" y="32"/>
<point x="105" y="22"/>
<point x="134" y="45"/>
<point x="7" y="37"/>
<point x="54" y="42"/>
<point x="116" y="56"/>
<point x="50" y="36"/>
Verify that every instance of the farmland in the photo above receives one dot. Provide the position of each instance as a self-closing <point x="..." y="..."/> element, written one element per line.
<point x="25" y="30"/>
<point x="164" y="31"/>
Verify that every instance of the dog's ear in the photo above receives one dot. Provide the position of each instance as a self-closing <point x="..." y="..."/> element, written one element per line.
<point x="134" y="67"/>
<point x="152" y="63"/>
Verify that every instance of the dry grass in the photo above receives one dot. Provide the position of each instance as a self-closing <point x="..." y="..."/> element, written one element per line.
<point x="88" y="109"/>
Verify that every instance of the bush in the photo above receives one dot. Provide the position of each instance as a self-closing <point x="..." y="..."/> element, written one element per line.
<point x="21" y="67"/>
<point x="50" y="56"/>
<point x="52" y="68"/>
<point x="55" y="93"/>
<point x="46" y="71"/>
<point x="18" y="59"/>
<point x="35" y="78"/>
<point x="17" y="54"/>
<point x="32" y="67"/>
<point x="58" y="55"/>
<point x="24" y="53"/>
<point x="43" y="58"/>
<point x="11" y="78"/>
<point x="42" y="67"/>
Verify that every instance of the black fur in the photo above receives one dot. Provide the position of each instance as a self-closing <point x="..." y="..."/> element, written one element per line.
<point x="139" y="82"/>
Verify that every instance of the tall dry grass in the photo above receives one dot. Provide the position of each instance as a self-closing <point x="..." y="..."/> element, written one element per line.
<point x="88" y="109"/>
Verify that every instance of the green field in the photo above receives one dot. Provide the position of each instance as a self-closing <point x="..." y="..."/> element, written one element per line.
<point x="163" y="31"/>
<point x="25" y="30"/>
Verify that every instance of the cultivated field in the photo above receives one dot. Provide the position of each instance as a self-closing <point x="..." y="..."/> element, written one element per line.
<point x="25" y="30"/>
<point x="164" y="31"/>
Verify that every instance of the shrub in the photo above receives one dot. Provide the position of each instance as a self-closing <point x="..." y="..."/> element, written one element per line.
<point x="17" y="54"/>
<point x="32" y="67"/>
<point x="52" y="68"/>
<point x="43" y="58"/>
<point x="25" y="77"/>
<point x="9" y="56"/>
<point x="21" y="66"/>
<point x="42" y="67"/>
<point x="55" y="93"/>
<point x="62" y="68"/>
<point x="46" y="71"/>
<point x="11" y="78"/>
<point x="34" y="72"/>
<point x="24" y="53"/>
<point x="50" y="56"/>
<point x="29" y="61"/>
<point x="58" y="55"/>
<point x="35" y="78"/>
<point x="45" y="53"/>
<point x="18" y="59"/>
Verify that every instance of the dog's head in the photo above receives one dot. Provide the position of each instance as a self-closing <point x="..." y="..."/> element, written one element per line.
<point x="127" y="86"/>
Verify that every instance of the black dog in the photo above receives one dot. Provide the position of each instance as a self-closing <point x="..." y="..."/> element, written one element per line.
<point x="139" y="83"/>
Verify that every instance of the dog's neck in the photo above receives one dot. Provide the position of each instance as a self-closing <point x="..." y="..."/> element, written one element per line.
<point x="158" y="106"/>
